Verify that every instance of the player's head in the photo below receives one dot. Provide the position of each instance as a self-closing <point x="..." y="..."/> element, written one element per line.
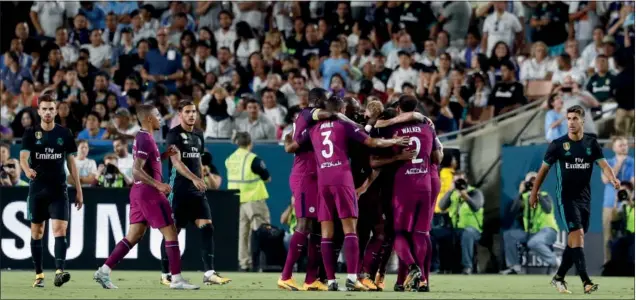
<point x="352" y="107"/>
<point x="187" y="112"/>
<point x="374" y="109"/>
<point x="317" y="96"/>
<point x="407" y="103"/>
<point x="47" y="108"/>
<point x="619" y="145"/>
<point x="149" y="116"/>
<point x="82" y="149"/>
<point x="243" y="140"/>
<point x="576" y="118"/>
<point x="334" y="104"/>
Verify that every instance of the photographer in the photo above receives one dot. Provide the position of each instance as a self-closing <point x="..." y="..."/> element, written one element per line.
<point x="10" y="174"/>
<point x="622" y="262"/>
<point x="539" y="227"/>
<point x="465" y="208"/>
<point x="108" y="174"/>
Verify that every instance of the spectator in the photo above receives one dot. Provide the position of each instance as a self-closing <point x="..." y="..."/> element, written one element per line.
<point x="539" y="66"/>
<point x="501" y="26"/>
<point x="162" y="64"/>
<point x="46" y="17"/>
<point x="245" y="43"/>
<point x="30" y="45"/>
<point x="14" y="74"/>
<point x="120" y="8"/>
<point x="481" y="64"/>
<point x="102" y="112"/>
<point x="311" y="45"/>
<point x="204" y="61"/>
<point x="295" y="84"/>
<point x="23" y="120"/>
<point x="566" y="70"/>
<point x="549" y="22"/>
<point x="252" y="12"/>
<point x="573" y="95"/>
<point x="69" y="51"/>
<point x="109" y="175"/>
<point x="477" y="102"/>
<point x="455" y="93"/>
<point x="181" y="37"/>
<point x="595" y="48"/>
<point x="601" y="83"/>
<point x="93" y="131"/>
<point x="10" y="173"/>
<point x="555" y="123"/>
<point x="70" y="89"/>
<point x="124" y="159"/>
<point x="507" y="94"/>
<point x="583" y="14"/>
<point x="404" y="73"/>
<point x="5" y="153"/>
<point x="501" y="54"/>
<point x="368" y="73"/>
<point x="123" y="125"/>
<point x="139" y="29"/>
<point x="100" y="52"/>
<point x="272" y="110"/>
<point x="126" y="47"/>
<point x="211" y="174"/>
<point x="102" y="87"/>
<point x="624" y="121"/>
<point x="619" y="27"/>
<point x="177" y="14"/>
<point x="225" y="36"/>
<point x="623" y="166"/>
<point x="27" y="97"/>
<point x="25" y="60"/>
<point x="609" y="48"/>
<point x="455" y="19"/>
<point x="253" y="122"/>
<point x="10" y="108"/>
<point x="85" y="166"/>
<point x="404" y="44"/>
<point x="289" y="120"/>
<point x="335" y="64"/>
<point x="465" y="205"/>
<point x="80" y="35"/>
<point x="84" y="75"/>
<point x="337" y="85"/>
<point x="147" y="12"/>
<point x="94" y="14"/>
<point x="218" y="108"/>
<point x="111" y="35"/>
<point x="572" y="49"/>
<point x="539" y="229"/>
<point x="471" y="50"/>
<point x="65" y="119"/>
<point x="271" y="57"/>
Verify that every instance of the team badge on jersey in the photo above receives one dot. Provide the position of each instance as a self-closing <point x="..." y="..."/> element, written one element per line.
<point x="184" y="137"/>
<point x="38" y="135"/>
<point x="60" y="141"/>
<point x="588" y="151"/>
<point x="566" y="146"/>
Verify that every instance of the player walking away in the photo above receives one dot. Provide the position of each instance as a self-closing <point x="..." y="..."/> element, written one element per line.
<point x="574" y="155"/>
<point x="148" y="203"/>
<point x="187" y="198"/>
<point x="45" y="146"/>
<point x="303" y="182"/>
<point x="336" y="189"/>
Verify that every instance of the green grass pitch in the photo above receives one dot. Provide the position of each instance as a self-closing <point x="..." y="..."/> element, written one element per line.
<point x="145" y="285"/>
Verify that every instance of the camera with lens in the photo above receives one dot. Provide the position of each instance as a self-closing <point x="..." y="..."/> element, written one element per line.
<point x="528" y="185"/>
<point x="461" y="184"/>
<point x="622" y="195"/>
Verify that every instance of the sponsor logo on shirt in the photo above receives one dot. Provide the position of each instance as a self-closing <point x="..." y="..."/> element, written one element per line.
<point x="193" y="154"/>
<point x="579" y="164"/>
<point x="49" y="154"/>
<point x="330" y="164"/>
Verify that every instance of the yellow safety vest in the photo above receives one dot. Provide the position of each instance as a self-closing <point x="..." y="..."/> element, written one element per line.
<point x="462" y="215"/>
<point x="629" y="218"/>
<point x="539" y="218"/>
<point x="240" y="176"/>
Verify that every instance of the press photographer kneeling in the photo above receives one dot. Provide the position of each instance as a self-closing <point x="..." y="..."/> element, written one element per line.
<point x="622" y="243"/>
<point x="539" y="228"/>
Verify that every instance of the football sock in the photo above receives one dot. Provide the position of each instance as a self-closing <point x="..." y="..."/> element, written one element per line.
<point x="403" y="269"/>
<point x="352" y="252"/>
<point x="326" y="248"/>
<point x="296" y="244"/>
<point x="121" y="249"/>
<point x="429" y="256"/>
<point x="578" y="256"/>
<point x="420" y="246"/>
<point x="60" y="252"/>
<point x="313" y="258"/>
<point x="387" y="250"/>
<point x="207" y="246"/>
<point x="36" y="255"/>
<point x="174" y="257"/>
<point x="566" y="263"/>
<point x="403" y="249"/>
<point x="165" y="266"/>
<point x="372" y="255"/>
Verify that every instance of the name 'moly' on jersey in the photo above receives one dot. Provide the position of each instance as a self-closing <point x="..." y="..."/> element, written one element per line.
<point x="191" y="147"/>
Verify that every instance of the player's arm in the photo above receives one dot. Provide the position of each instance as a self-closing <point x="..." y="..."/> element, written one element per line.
<point x="291" y="145"/>
<point x="70" y="148"/>
<point x="25" y="153"/>
<point x="378" y="162"/>
<point x="551" y="156"/>
<point x="185" y="172"/>
<point x="403" y="118"/>
<point x="385" y="143"/>
<point x="140" y="174"/>
<point x="437" y="155"/>
<point x="367" y="182"/>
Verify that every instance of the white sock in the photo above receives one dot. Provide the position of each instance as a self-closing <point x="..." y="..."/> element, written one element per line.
<point x="352" y="277"/>
<point x="330" y="281"/>
<point x="176" y="277"/>
<point x="209" y="273"/>
<point x="105" y="269"/>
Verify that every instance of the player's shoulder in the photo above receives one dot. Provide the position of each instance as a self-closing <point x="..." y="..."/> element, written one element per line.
<point x="560" y="140"/>
<point x="588" y="137"/>
<point x="175" y="129"/>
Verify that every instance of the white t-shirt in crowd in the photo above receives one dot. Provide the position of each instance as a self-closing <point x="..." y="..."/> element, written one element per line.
<point x="211" y="63"/>
<point x="501" y="28"/>
<point x="125" y="165"/>
<point x="583" y="27"/>
<point x="531" y="69"/>
<point x="245" y="49"/>
<point x="51" y="14"/>
<point x="225" y="39"/>
<point x="590" y="53"/>
<point x="400" y="76"/>
<point x="276" y="114"/>
<point x="559" y="76"/>
<point x="69" y="54"/>
<point x="98" y="55"/>
<point x="85" y="167"/>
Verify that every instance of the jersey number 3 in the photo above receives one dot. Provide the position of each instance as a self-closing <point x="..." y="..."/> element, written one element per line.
<point x="418" y="147"/>
<point x="326" y="141"/>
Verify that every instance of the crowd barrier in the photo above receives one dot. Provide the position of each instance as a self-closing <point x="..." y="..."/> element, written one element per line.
<point x="95" y="229"/>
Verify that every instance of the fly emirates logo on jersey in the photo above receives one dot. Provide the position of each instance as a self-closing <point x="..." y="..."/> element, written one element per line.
<point x="579" y="164"/>
<point x="193" y="154"/>
<point x="49" y="154"/>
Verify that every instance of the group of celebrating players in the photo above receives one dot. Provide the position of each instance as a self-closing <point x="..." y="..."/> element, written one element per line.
<point x="380" y="184"/>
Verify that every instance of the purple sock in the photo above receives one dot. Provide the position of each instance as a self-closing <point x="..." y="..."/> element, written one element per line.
<point x="121" y="249"/>
<point x="352" y="252"/>
<point x="420" y="247"/>
<point x="429" y="256"/>
<point x="174" y="256"/>
<point x="328" y="258"/>
<point x="296" y="244"/>
<point x="403" y="249"/>
<point x="387" y="250"/>
<point x="313" y="258"/>
<point x="372" y="255"/>
<point x="402" y="271"/>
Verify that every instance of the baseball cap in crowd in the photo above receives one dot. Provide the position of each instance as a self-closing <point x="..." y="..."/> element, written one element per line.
<point x="122" y="112"/>
<point x="608" y="39"/>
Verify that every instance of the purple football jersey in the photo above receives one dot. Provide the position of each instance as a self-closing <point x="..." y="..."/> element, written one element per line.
<point x="304" y="159"/>
<point x="414" y="174"/>
<point x="329" y="139"/>
<point x="145" y="147"/>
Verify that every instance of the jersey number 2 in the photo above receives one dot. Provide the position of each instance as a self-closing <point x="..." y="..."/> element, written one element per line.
<point x="418" y="147"/>
<point x="326" y="141"/>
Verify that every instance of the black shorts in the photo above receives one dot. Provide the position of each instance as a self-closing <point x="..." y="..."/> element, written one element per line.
<point x="370" y="208"/>
<point x="188" y="206"/>
<point x="45" y="203"/>
<point x="576" y="215"/>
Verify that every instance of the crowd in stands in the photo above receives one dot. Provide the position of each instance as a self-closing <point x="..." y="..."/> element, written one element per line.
<point x="249" y="65"/>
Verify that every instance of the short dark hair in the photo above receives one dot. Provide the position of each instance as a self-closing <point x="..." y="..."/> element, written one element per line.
<point x="407" y="103"/>
<point x="184" y="103"/>
<point x="242" y="139"/>
<point x="46" y="97"/>
<point x="226" y="12"/>
<point x="577" y="109"/>
<point x="407" y="85"/>
<point x="79" y="142"/>
<point x="120" y="139"/>
<point x="551" y="100"/>
<point x="566" y="58"/>
<point x="144" y="110"/>
<point x="103" y="74"/>
<point x="94" y="114"/>
<point x="135" y="94"/>
<point x="627" y="184"/>
<point x="317" y="94"/>
<point x="252" y="100"/>
<point x="5" y="145"/>
<point x="334" y="102"/>
<point x="268" y="90"/>
<point x="508" y="64"/>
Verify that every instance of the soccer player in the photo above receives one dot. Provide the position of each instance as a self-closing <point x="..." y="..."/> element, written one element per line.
<point x="304" y="186"/>
<point x="574" y="155"/>
<point x="187" y="198"/>
<point x="45" y="146"/>
<point x="148" y="203"/>
<point x="336" y="189"/>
